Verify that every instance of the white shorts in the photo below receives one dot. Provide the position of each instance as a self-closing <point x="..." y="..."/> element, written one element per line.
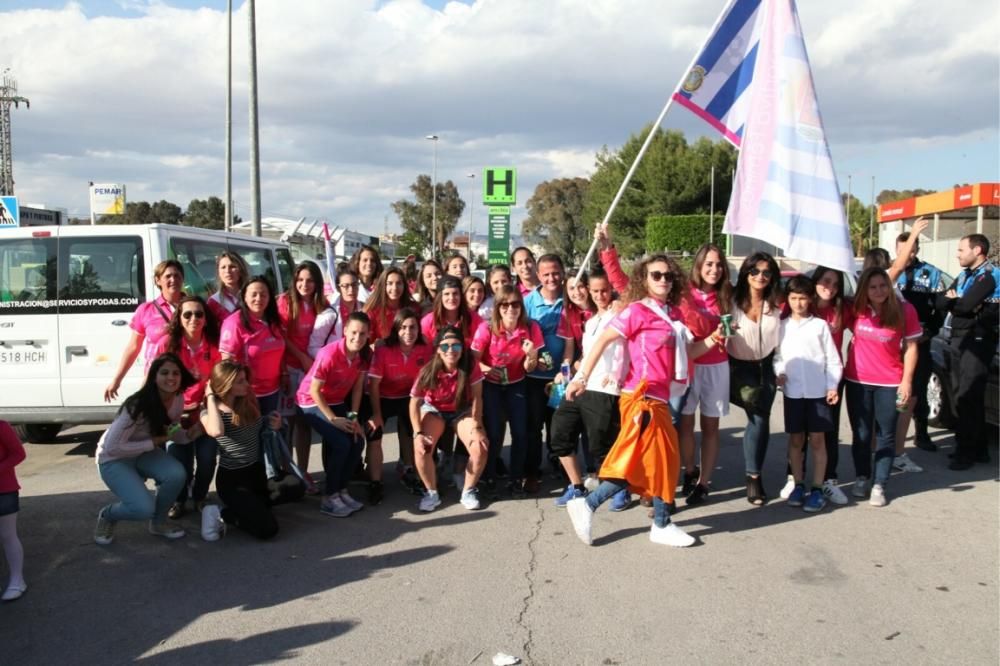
<point x="709" y="390"/>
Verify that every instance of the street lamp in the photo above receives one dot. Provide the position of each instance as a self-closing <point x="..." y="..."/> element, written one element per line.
<point x="472" y="202"/>
<point x="434" y="138"/>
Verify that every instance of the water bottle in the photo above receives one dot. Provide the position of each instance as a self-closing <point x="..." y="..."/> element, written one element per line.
<point x="564" y="369"/>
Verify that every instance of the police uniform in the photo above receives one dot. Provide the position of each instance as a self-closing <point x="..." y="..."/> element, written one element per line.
<point x="920" y="284"/>
<point x="974" y="319"/>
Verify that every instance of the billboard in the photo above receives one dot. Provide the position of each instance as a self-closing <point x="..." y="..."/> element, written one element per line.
<point x="107" y="199"/>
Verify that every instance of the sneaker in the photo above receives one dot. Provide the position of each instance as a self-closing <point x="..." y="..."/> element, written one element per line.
<point x="582" y="518"/>
<point x="212" y="526"/>
<point x="572" y="492"/>
<point x="878" y="495"/>
<point x="833" y="492"/>
<point x="697" y="496"/>
<point x="14" y="592"/>
<point x="621" y="500"/>
<point x="350" y="502"/>
<point x="470" y="499"/>
<point x="787" y="489"/>
<point x="375" y="493"/>
<point x="104" y="533"/>
<point x="671" y="535"/>
<point x="797" y="496"/>
<point x="332" y="505"/>
<point x="591" y="483"/>
<point x="430" y="501"/>
<point x="177" y="510"/>
<point x="166" y="530"/>
<point x="903" y="463"/>
<point x="860" y="487"/>
<point x="816" y="501"/>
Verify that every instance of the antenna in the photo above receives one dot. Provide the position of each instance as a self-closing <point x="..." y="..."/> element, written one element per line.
<point x="8" y="97"/>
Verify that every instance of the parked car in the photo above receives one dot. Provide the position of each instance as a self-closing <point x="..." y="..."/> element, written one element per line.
<point x="939" y="389"/>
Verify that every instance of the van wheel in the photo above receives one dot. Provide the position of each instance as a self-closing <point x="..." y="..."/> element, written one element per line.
<point x="938" y="408"/>
<point x="39" y="433"/>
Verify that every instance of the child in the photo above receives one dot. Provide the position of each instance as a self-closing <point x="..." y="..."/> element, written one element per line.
<point x="11" y="454"/>
<point x="808" y="368"/>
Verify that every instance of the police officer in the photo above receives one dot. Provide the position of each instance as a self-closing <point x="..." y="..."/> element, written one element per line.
<point x="920" y="283"/>
<point x="972" y="301"/>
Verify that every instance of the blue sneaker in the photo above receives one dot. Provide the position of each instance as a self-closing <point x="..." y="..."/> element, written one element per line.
<point x="571" y="493"/>
<point x="797" y="496"/>
<point x="621" y="500"/>
<point x="815" y="502"/>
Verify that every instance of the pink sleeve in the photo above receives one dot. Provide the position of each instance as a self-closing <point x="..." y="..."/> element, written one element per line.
<point x="624" y="322"/>
<point x="564" y="329"/>
<point x="377" y="362"/>
<point x="613" y="267"/>
<point x="481" y="339"/>
<point x="414" y="391"/>
<point x="912" y="328"/>
<point x="11" y="448"/>
<point x="230" y="338"/>
<point x="427" y="327"/>
<point x="323" y="364"/>
<point x="138" y="322"/>
<point x="283" y="310"/>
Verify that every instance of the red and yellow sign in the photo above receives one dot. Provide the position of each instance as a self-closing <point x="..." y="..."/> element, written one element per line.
<point x="980" y="194"/>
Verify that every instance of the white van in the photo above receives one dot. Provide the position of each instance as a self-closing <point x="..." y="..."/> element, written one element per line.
<point x="67" y="294"/>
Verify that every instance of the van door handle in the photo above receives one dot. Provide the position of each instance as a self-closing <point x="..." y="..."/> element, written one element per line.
<point x="119" y="322"/>
<point x="79" y="350"/>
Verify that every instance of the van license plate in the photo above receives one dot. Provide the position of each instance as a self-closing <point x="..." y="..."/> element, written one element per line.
<point x="25" y="357"/>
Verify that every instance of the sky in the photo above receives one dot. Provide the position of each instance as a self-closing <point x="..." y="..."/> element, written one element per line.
<point x="133" y="92"/>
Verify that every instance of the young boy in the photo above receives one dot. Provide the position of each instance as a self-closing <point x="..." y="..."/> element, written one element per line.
<point x="808" y="369"/>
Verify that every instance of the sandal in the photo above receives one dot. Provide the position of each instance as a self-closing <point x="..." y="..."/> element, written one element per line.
<point x="697" y="495"/>
<point x="755" y="491"/>
<point x="690" y="479"/>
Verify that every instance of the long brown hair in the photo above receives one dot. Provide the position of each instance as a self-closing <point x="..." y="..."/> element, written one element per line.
<point x="507" y="294"/>
<point x="295" y="300"/>
<point x="464" y="316"/>
<point x="428" y="374"/>
<point x="245" y="408"/>
<point x="741" y="295"/>
<point x="724" y="289"/>
<point x="175" y="329"/>
<point x="838" y="300"/>
<point x="891" y="313"/>
<point x="637" y="282"/>
<point x="378" y="302"/>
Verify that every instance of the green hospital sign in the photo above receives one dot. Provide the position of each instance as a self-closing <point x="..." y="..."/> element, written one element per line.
<point x="500" y="186"/>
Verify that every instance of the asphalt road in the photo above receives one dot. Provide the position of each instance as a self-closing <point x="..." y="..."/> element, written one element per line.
<point x="914" y="582"/>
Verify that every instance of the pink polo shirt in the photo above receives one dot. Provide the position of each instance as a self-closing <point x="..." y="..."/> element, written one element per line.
<point x="199" y="363"/>
<point x="829" y="315"/>
<point x="651" y="344"/>
<point x="706" y="304"/>
<point x="337" y="373"/>
<point x="429" y="329"/>
<point x="504" y="350"/>
<point x="397" y="371"/>
<point x="381" y="319"/>
<point x="150" y="321"/>
<point x="260" y="347"/>
<point x="571" y="324"/>
<point x="223" y="304"/>
<point x="296" y="332"/>
<point x="442" y="397"/>
<point x="875" y="357"/>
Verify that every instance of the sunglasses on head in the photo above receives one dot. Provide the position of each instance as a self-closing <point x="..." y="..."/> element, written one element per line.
<point x="450" y="347"/>
<point x="509" y="304"/>
<point x="756" y="271"/>
<point x="197" y="314"/>
<point x="658" y="276"/>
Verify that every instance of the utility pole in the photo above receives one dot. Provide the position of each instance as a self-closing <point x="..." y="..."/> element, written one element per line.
<point x="254" y="131"/>
<point x="228" y="221"/>
<point x="472" y="202"/>
<point x="8" y="96"/>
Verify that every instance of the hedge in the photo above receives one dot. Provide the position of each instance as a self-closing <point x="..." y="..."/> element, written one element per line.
<point x="681" y="233"/>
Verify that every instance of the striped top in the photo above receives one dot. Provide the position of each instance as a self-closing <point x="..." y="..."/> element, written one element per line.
<point x="239" y="446"/>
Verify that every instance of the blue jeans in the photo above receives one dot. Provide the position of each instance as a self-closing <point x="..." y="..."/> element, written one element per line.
<point x="757" y="434"/>
<point x="872" y="409"/>
<point x="341" y="451"/>
<point x="205" y="449"/>
<point x="126" y="478"/>
<point x="661" y="517"/>
<point x="506" y="404"/>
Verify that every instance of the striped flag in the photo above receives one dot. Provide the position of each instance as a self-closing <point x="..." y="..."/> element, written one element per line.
<point x="752" y="82"/>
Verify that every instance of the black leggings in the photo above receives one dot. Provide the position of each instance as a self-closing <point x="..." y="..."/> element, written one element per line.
<point x="247" y="505"/>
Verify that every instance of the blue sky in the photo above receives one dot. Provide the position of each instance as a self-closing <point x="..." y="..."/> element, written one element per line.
<point x="349" y="88"/>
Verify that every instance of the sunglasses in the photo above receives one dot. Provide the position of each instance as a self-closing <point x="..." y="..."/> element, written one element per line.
<point x="509" y="304"/>
<point x="452" y="347"/>
<point x="661" y="276"/>
<point x="197" y="314"/>
<point x="754" y="272"/>
<point x="348" y="285"/>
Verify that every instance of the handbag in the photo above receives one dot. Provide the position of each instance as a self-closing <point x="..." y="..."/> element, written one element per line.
<point x="285" y="481"/>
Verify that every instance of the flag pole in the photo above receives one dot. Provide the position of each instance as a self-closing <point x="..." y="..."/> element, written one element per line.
<point x="649" y="140"/>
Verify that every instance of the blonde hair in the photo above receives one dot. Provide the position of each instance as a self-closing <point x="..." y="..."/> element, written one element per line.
<point x="224" y="375"/>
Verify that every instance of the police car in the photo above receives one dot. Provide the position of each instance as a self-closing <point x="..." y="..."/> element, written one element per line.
<point x="67" y="294"/>
<point x="939" y="386"/>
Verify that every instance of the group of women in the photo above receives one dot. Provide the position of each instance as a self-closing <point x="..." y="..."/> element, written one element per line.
<point x="447" y="354"/>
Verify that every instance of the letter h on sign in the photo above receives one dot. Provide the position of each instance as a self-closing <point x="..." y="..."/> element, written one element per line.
<point x="499" y="186"/>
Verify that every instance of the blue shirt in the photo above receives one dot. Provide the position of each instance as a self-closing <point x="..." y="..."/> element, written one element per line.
<point x="547" y="315"/>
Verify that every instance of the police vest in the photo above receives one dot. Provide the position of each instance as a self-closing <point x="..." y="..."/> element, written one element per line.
<point x="967" y="278"/>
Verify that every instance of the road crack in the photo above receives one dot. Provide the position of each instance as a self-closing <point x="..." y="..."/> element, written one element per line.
<point x="529" y="576"/>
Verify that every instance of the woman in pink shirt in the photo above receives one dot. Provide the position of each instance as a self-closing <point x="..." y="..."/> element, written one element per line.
<point x="195" y="341"/>
<point x="336" y="376"/>
<point x="878" y="379"/>
<point x="450" y="310"/>
<point x="474" y="292"/>
<point x="395" y="365"/>
<point x="645" y="457"/>
<point x="498" y="276"/>
<point x="11" y="455"/>
<point x="577" y="310"/>
<point x="389" y="297"/>
<point x="367" y="265"/>
<point x="253" y="337"/>
<point x="427" y="284"/>
<point x="449" y="392"/>
<point x="150" y="321"/>
<point x="458" y="266"/>
<point x="232" y="273"/>
<point x="506" y="348"/>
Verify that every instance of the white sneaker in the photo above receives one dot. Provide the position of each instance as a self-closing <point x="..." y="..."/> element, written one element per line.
<point x="833" y="493"/>
<point x="334" y="506"/>
<point x="212" y="526"/>
<point x="166" y="530"/>
<point x="787" y="489"/>
<point x="671" y="535"/>
<point x="582" y="518"/>
<point x="352" y="504"/>
<point x="104" y="533"/>
<point x="903" y="463"/>
<point x="470" y="499"/>
<point x="591" y="483"/>
<point x="878" y="495"/>
<point x="430" y="501"/>
<point x="860" y="487"/>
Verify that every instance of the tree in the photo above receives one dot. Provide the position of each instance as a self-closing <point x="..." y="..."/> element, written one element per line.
<point x="416" y="219"/>
<point x="888" y="196"/>
<point x="672" y="179"/>
<point x="859" y="224"/>
<point x="141" y="212"/>
<point x="555" y="218"/>
<point x="208" y="214"/>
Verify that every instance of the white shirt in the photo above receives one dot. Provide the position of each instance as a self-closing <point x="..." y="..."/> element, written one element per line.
<point x="808" y="357"/>
<point x="753" y="340"/>
<point x="610" y="370"/>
